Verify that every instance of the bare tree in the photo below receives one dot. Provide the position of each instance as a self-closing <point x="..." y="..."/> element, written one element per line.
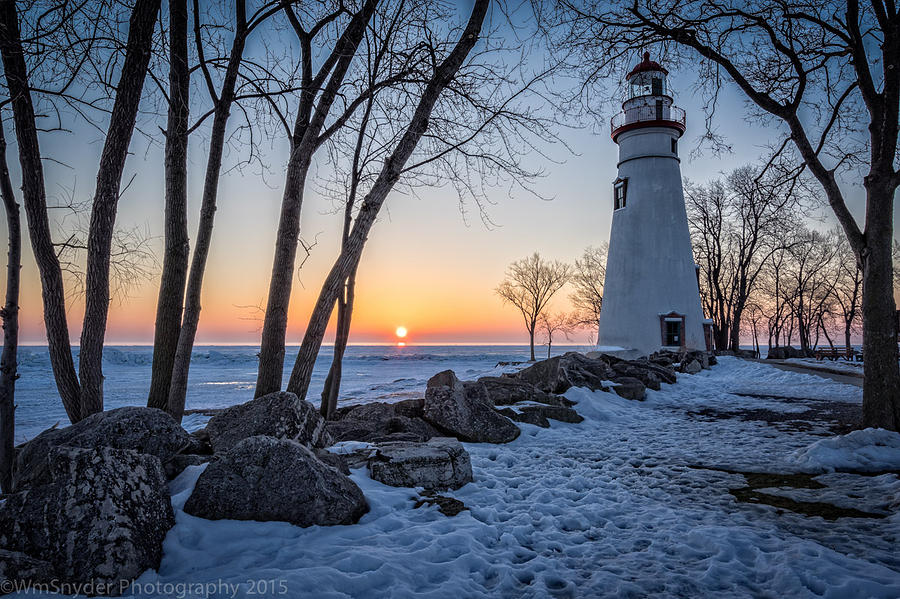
<point x="222" y="101"/>
<point x="529" y="285"/>
<point x="10" y="316"/>
<point x="85" y="396"/>
<point x="319" y="90"/>
<point x="177" y="246"/>
<point x="444" y="76"/>
<point x="552" y="323"/>
<point x="587" y="280"/>
<point x="809" y="67"/>
<point x="847" y="288"/>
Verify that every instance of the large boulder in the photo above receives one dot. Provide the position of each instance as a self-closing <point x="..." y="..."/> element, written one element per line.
<point x="649" y="373"/>
<point x="441" y="463"/>
<point x="505" y="391"/>
<point x="145" y="430"/>
<point x="101" y="519"/>
<point x="630" y="388"/>
<point x="281" y="415"/>
<point x="379" y="422"/>
<point x="559" y="373"/>
<point x="463" y="412"/>
<point x="264" y="478"/>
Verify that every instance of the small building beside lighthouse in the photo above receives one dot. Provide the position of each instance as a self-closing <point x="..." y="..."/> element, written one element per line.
<point x="651" y="297"/>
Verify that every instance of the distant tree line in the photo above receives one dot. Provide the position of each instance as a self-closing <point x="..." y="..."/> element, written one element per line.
<point x="764" y="273"/>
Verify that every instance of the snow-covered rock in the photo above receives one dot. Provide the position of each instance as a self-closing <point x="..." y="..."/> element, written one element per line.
<point x="869" y="450"/>
<point x="263" y="478"/>
<point x="441" y="463"/>
<point x="281" y="415"/>
<point x="380" y="422"/>
<point x="505" y="390"/>
<point x="101" y="519"/>
<point x="630" y="388"/>
<point x="558" y="374"/>
<point x="145" y="430"/>
<point x="691" y="367"/>
<point x="452" y="407"/>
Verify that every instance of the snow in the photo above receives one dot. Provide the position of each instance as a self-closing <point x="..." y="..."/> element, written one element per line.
<point x="869" y="450"/>
<point x="632" y="502"/>
<point x="839" y="365"/>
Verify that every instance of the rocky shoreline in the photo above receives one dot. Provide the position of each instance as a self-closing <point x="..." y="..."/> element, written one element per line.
<point x="91" y="502"/>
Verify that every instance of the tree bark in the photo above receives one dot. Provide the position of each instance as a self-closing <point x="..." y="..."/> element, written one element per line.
<point x="170" y="304"/>
<point x="332" y="386"/>
<point x="106" y="199"/>
<point x="35" y="200"/>
<point x="188" y="332"/>
<point x="10" y="315"/>
<point x="390" y="173"/>
<point x="881" y="383"/>
<point x="172" y="282"/>
<point x="306" y="140"/>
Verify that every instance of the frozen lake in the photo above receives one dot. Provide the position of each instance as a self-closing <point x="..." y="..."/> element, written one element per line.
<point x="222" y="376"/>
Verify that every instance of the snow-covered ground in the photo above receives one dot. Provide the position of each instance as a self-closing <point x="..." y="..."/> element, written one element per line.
<point x="840" y="365"/>
<point x="632" y="502"/>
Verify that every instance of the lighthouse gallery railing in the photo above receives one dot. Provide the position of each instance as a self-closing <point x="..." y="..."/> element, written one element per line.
<point x="642" y="114"/>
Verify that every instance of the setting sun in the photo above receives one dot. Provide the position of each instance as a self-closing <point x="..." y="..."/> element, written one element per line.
<point x="401" y="331"/>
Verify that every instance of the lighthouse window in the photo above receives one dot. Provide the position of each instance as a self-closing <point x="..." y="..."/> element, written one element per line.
<point x="656" y="86"/>
<point x="619" y="193"/>
<point x="673" y="332"/>
<point x="675" y="147"/>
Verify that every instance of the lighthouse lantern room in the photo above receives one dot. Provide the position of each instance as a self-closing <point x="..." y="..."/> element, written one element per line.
<point x="651" y="297"/>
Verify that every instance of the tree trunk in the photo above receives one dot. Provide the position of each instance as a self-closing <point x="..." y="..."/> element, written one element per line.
<point x="305" y="142"/>
<point x="10" y="315"/>
<point x="271" y="351"/>
<point x="332" y="387"/>
<point x="188" y="332"/>
<point x="35" y="200"/>
<point x="881" y="376"/>
<point x="170" y="303"/>
<point x="390" y="173"/>
<point x="735" y="341"/>
<point x="106" y="199"/>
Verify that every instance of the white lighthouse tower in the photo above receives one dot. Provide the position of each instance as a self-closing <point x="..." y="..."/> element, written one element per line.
<point x="651" y="297"/>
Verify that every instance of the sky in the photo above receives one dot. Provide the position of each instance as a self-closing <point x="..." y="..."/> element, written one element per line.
<point x="427" y="267"/>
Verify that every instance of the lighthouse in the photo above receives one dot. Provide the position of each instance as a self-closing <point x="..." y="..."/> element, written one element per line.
<point x="651" y="297"/>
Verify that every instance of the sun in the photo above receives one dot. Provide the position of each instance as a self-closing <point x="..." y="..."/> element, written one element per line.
<point x="401" y="332"/>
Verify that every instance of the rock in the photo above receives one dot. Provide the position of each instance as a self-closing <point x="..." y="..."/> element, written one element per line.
<point x="264" y="478"/>
<point x="199" y="443"/>
<point x="178" y="463"/>
<point x="630" y="388"/>
<point x="379" y="422"/>
<point x="665" y="374"/>
<point x="783" y="353"/>
<point x="23" y="569"/>
<point x="645" y="375"/>
<point x="504" y="391"/>
<point x="411" y="408"/>
<point x="558" y="374"/>
<point x="334" y="460"/>
<point x="281" y="415"/>
<point x="448" y="506"/>
<point x="451" y="406"/>
<point x="145" y="430"/>
<point x="691" y="367"/>
<point x="101" y="519"/>
<point x="441" y="463"/>
<point x="561" y="413"/>
<point x="535" y="418"/>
